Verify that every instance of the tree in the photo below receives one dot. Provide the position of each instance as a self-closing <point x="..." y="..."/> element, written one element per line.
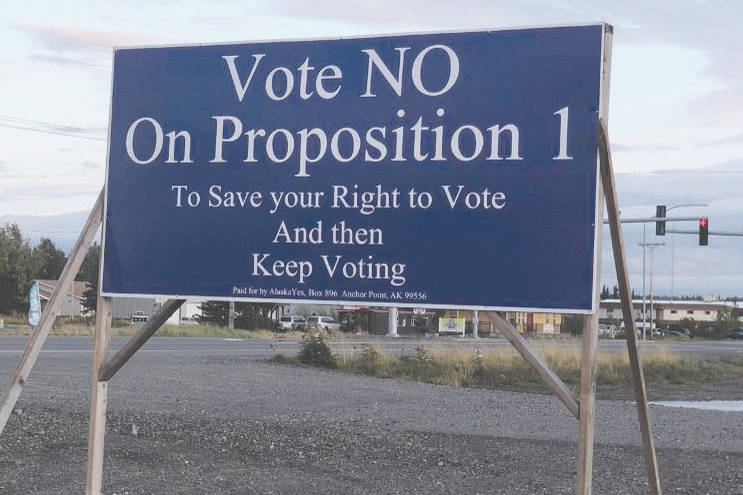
<point x="15" y="270"/>
<point x="215" y="313"/>
<point x="248" y="316"/>
<point x="47" y="261"/>
<point x="252" y="316"/>
<point x="89" y="273"/>
<point x="604" y="292"/>
<point x="91" y="264"/>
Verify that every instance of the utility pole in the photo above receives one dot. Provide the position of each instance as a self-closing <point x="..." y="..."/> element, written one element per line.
<point x="673" y="238"/>
<point x="644" y="319"/>
<point x="651" y="246"/>
<point x="232" y="315"/>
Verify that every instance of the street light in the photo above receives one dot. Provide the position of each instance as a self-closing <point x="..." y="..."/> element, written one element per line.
<point x="673" y="238"/>
<point x="673" y="244"/>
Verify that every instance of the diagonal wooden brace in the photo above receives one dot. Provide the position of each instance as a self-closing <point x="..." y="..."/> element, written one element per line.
<point x="638" y="378"/>
<point x="64" y="284"/>
<point x="157" y="320"/>
<point x="537" y="362"/>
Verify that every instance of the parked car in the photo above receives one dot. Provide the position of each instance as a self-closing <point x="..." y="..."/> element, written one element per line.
<point x="608" y="330"/>
<point x="326" y="323"/>
<point x="291" y="322"/>
<point x="676" y="331"/>
<point x="736" y="334"/>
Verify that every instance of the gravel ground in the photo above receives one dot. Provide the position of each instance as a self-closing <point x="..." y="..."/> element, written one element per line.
<point x="210" y="423"/>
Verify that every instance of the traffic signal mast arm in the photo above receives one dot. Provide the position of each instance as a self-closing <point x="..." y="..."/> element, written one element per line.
<point x="656" y="219"/>
<point x="728" y="233"/>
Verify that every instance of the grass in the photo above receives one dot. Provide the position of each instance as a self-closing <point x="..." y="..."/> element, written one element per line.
<point x="507" y="369"/>
<point x="204" y="331"/>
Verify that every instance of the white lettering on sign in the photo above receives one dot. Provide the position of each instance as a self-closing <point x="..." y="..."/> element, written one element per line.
<point x="396" y="83"/>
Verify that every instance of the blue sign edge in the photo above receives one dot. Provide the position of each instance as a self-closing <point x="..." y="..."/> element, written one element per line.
<point x="598" y="208"/>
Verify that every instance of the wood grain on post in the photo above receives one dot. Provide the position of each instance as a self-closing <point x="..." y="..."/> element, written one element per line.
<point x="536" y="361"/>
<point x="589" y="344"/>
<point x="98" y="398"/>
<point x="64" y="285"/>
<point x="638" y="378"/>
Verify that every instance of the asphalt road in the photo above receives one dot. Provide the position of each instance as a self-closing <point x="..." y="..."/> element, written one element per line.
<point x="13" y="344"/>
<point x="213" y="416"/>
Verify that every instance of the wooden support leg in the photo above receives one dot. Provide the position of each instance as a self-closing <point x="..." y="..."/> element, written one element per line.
<point x="638" y="378"/>
<point x="111" y="366"/>
<point x="36" y="342"/>
<point x="589" y="349"/>
<point x="536" y="361"/>
<point x="98" y="399"/>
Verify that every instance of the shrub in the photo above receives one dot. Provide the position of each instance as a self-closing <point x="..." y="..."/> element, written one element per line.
<point x="315" y="351"/>
<point x="370" y="360"/>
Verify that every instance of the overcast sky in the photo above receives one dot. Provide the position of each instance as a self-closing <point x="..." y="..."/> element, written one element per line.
<point x="676" y="82"/>
<point x="676" y="89"/>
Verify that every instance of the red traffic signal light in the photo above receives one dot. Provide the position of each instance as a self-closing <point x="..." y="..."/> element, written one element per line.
<point x="703" y="231"/>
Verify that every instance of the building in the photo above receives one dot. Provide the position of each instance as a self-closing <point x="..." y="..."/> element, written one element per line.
<point x="189" y="312"/>
<point x="544" y="323"/>
<point x="670" y="311"/>
<point x="484" y="324"/>
<point x="72" y="303"/>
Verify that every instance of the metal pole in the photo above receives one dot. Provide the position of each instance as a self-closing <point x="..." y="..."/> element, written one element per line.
<point x="392" y="322"/>
<point x="644" y="335"/>
<point x="673" y="238"/>
<point x="652" y="258"/>
<point x="673" y="250"/>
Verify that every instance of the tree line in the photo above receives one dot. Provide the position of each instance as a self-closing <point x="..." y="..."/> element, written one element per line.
<point x="248" y="316"/>
<point x="20" y="264"/>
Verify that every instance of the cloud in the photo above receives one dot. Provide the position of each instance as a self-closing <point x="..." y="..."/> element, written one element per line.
<point x="625" y="148"/>
<point x="3" y="166"/>
<point x="737" y="139"/>
<point x="59" y="39"/>
<point x="62" y="60"/>
<point x="90" y="165"/>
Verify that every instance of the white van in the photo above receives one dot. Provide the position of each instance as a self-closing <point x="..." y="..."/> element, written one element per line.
<point x="291" y="322"/>
<point x="326" y="323"/>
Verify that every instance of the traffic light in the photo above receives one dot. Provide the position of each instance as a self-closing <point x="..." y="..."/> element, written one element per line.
<point x="660" y="227"/>
<point x="703" y="231"/>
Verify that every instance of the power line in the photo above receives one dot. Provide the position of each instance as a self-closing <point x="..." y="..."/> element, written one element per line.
<point x="50" y="128"/>
<point x="51" y="231"/>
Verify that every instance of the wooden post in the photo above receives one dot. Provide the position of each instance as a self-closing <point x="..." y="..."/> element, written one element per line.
<point x="589" y="350"/>
<point x="64" y="284"/>
<point x="475" y="323"/>
<point x="231" y="316"/>
<point x="536" y="361"/>
<point x="589" y="344"/>
<point x="98" y="398"/>
<point x="638" y="378"/>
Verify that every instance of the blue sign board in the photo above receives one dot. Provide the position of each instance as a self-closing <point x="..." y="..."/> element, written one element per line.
<point x="424" y="170"/>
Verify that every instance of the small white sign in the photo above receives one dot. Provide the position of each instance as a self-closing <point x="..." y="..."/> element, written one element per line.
<point x="451" y="325"/>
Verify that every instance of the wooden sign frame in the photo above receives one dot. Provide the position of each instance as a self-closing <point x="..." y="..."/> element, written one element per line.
<point x="105" y="367"/>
